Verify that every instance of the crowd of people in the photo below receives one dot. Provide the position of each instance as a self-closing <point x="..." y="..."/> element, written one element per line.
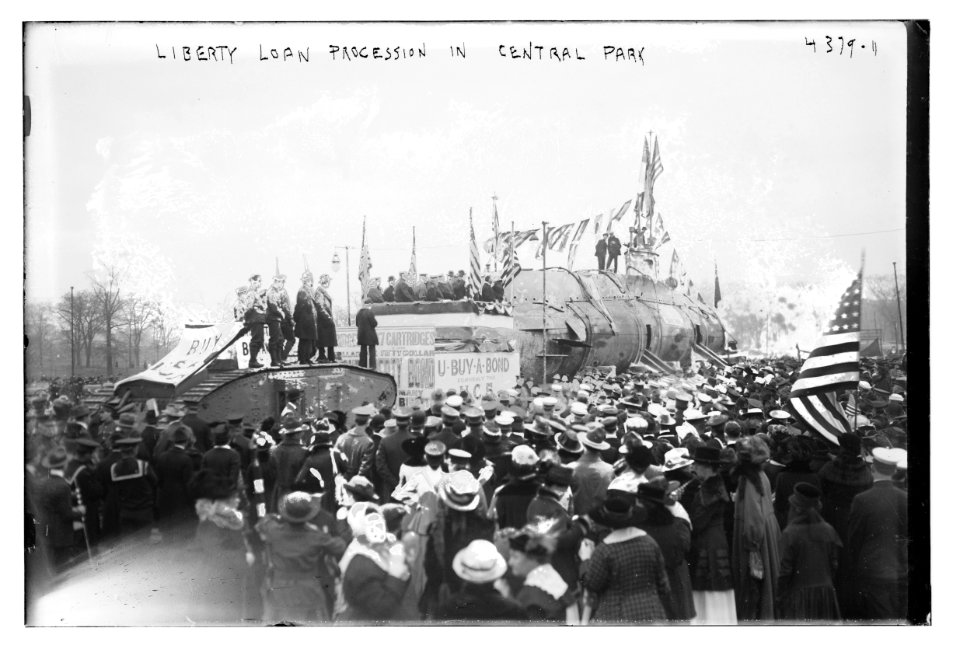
<point x="636" y="498"/>
<point x="434" y="288"/>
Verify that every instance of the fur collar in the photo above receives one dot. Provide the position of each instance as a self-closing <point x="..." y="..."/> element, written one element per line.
<point x="621" y="535"/>
<point x="547" y="579"/>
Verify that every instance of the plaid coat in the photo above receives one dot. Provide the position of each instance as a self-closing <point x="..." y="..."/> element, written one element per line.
<point x="629" y="577"/>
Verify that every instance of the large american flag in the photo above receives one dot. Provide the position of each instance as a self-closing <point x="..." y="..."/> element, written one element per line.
<point x="833" y="366"/>
<point x="475" y="279"/>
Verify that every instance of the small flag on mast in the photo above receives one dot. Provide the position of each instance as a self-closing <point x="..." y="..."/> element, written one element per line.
<point x="832" y="366"/>
<point x="716" y="286"/>
<point x="413" y="256"/>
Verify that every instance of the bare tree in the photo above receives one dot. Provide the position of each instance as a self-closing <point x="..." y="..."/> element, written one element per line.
<point x="39" y="331"/>
<point x="136" y="314"/>
<point x="87" y="322"/>
<point x="881" y="295"/>
<point x="107" y="296"/>
<point x="163" y="328"/>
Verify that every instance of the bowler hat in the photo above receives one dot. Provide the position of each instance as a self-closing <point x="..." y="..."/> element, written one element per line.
<point x="707" y="454"/>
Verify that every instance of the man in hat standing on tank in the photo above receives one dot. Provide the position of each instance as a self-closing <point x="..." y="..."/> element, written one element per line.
<point x="305" y="320"/>
<point x="255" y="317"/>
<point x="613" y="252"/>
<point x="279" y="320"/>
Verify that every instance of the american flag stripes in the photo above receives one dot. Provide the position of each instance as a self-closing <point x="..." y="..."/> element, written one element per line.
<point x="833" y="366"/>
<point x="475" y="279"/>
<point x="575" y="241"/>
<point x="510" y="269"/>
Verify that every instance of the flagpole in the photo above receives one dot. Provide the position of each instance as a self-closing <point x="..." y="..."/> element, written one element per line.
<point x="543" y="303"/>
<point x="896" y="284"/>
<point x="496" y="234"/>
<point x="513" y="252"/>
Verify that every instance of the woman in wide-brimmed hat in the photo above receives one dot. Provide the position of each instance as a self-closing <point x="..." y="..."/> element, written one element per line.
<point x="709" y="557"/>
<point x="294" y="550"/>
<point x="810" y="552"/>
<point x="626" y="571"/>
<point x="479" y="566"/>
<point x="756" y="534"/>
<point x="672" y="534"/>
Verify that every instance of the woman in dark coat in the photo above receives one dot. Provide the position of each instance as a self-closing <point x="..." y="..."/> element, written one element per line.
<point x="543" y="592"/>
<point x="756" y="534"/>
<point x="810" y="550"/>
<point x="326" y="327"/>
<point x="710" y="571"/>
<point x="795" y="457"/>
<point x="842" y="478"/>
<point x="673" y="536"/>
<point x="626" y="571"/>
<point x="305" y="320"/>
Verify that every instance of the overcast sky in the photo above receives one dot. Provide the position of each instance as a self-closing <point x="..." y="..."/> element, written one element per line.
<point x="778" y="159"/>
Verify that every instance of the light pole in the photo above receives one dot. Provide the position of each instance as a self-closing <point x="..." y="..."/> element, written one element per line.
<point x="335" y="264"/>
<point x="73" y="355"/>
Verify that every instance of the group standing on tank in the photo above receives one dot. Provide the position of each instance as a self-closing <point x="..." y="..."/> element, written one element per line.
<point x="309" y="321"/>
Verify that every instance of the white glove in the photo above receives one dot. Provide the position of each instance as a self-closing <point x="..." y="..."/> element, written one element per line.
<point x="251" y="559"/>
<point x="397" y="562"/>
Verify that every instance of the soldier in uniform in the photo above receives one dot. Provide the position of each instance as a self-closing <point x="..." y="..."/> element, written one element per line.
<point x="134" y="486"/>
<point x="326" y="327"/>
<point x="305" y="320"/>
<point x="254" y="318"/>
<point x="279" y="321"/>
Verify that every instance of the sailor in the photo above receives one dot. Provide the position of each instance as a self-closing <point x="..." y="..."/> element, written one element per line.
<point x="326" y="327"/>
<point x="601" y="252"/>
<point x="240" y="306"/>
<point x="279" y="321"/>
<point x="305" y="320"/>
<point x="613" y="251"/>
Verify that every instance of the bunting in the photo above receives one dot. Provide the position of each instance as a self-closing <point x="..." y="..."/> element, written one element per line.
<point x="575" y="241"/>
<point x="619" y="215"/>
<point x="832" y="366"/>
<point x="496" y="233"/>
<point x="510" y="269"/>
<point x="674" y="265"/>
<point x="597" y="224"/>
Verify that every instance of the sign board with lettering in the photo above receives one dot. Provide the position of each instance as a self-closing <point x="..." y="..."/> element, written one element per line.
<point x="241" y="349"/>
<point x="197" y="343"/>
<point x="405" y="352"/>
<point x="477" y="373"/>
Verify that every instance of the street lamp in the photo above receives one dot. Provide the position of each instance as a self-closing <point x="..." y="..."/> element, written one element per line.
<point x="335" y="265"/>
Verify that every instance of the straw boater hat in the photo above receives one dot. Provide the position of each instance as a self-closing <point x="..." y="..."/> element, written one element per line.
<point x="676" y="458"/>
<point x="479" y="563"/>
<point x="460" y="491"/>
<point x="594" y="439"/>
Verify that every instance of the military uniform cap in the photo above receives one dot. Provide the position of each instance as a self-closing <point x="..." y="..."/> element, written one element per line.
<point x="364" y="411"/>
<point x="550" y="402"/>
<point x="402" y="414"/>
<point x="473" y="413"/>
<point x="432" y="422"/>
<point x="435" y="448"/>
<point x="608" y="410"/>
<point x="503" y="419"/>
<point x="447" y="411"/>
<point x="635" y="423"/>
<point x="488" y="405"/>
<point x="86" y="442"/>
<point x="578" y="408"/>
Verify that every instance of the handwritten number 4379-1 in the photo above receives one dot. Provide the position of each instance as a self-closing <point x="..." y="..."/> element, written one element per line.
<point x="838" y="44"/>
